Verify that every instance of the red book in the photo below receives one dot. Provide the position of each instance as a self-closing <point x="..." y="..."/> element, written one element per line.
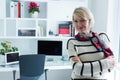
<point x="64" y="29"/>
<point x="19" y="10"/>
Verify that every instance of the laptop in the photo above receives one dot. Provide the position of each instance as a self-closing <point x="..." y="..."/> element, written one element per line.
<point x="11" y="58"/>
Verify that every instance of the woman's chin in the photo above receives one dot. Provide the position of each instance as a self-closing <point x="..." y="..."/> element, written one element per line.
<point x="82" y="31"/>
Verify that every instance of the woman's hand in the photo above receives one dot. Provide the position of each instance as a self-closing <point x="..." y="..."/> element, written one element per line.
<point x="76" y="59"/>
<point x="111" y="61"/>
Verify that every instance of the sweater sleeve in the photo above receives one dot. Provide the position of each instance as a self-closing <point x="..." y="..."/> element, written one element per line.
<point x="71" y="49"/>
<point x="104" y="39"/>
<point x="91" y="69"/>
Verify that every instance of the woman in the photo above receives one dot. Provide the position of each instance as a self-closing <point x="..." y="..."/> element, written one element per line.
<point x="90" y="54"/>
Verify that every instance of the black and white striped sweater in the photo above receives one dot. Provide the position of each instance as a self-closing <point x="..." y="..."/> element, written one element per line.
<point x="94" y="64"/>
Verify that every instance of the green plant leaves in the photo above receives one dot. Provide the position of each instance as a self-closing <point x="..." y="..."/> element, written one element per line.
<point x="6" y="47"/>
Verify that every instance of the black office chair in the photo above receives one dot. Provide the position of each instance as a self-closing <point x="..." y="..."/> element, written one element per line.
<point x="31" y="66"/>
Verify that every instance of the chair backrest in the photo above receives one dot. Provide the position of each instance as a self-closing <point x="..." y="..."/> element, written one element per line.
<point x="31" y="66"/>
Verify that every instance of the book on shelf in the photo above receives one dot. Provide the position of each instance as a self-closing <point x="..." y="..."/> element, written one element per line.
<point x="19" y="9"/>
<point x="22" y="9"/>
<point x="12" y="5"/>
<point x="16" y="9"/>
<point x="40" y="31"/>
<point x="72" y="30"/>
<point x="66" y="29"/>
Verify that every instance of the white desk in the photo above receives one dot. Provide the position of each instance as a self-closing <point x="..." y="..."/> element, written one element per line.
<point x="48" y="65"/>
<point x="51" y="67"/>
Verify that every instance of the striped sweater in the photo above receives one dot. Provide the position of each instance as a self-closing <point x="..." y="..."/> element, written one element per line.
<point x="94" y="62"/>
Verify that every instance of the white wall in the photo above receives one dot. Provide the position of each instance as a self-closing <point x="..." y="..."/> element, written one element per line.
<point x="2" y="8"/>
<point x="99" y="9"/>
<point x="114" y="25"/>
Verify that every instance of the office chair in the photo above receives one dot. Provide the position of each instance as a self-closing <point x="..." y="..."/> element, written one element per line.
<point x="31" y="66"/>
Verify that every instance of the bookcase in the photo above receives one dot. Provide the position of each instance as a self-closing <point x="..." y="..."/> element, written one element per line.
<point x="25" y="30"/>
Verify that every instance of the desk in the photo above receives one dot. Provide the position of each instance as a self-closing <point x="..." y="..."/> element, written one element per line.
<point x="54" y="68"/>
<point x="48" y="65"/>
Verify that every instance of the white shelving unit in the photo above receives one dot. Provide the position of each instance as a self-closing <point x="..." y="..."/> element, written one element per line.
<point x="51" y="13"/>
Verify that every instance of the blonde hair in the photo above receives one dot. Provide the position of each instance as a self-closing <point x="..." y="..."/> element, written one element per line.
<point x="84" y="13"/>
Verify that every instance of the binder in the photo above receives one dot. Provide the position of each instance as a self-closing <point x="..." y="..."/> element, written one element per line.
<point x="15" y="9"/>
<point x="22" y="9"/>
<point x="12" y="9"/>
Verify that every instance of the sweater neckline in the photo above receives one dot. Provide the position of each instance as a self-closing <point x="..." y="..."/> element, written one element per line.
<point x="83" y="36"/>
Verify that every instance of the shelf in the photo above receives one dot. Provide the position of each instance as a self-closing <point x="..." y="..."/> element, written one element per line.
<point x="50" y="37"/>
<point x="26" y="19"/>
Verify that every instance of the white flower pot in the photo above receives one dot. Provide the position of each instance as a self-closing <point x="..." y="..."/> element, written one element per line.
<point x="34" y="15"/>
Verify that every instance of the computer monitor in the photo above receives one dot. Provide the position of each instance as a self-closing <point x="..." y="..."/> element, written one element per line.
<point x="50" y="48"/>
<point x="11" y="58"/>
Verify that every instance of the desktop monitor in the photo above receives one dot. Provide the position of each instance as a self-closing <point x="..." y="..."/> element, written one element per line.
<point x="50" y="48"/>
<point x="11" y="58"/>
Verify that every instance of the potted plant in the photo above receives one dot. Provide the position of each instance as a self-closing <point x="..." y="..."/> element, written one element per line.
<point x="34" y="9"/>
<point x="6" y="47"/>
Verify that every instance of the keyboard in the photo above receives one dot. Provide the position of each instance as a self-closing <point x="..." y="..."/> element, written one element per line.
<point x="57" y="63"/>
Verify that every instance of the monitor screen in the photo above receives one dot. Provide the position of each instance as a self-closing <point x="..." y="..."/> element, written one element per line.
<point x="11" y="57"/>
<point x="50" y="48"/>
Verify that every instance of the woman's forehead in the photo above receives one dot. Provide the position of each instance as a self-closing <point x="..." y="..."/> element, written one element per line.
<point x="79" y="17"/>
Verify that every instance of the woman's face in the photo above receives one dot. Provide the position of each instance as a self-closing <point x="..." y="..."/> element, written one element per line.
<point x="81" y="25"/>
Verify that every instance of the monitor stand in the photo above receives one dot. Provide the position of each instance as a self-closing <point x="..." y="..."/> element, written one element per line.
<point x="53" y="58"/>
<point x="49" y="59"/>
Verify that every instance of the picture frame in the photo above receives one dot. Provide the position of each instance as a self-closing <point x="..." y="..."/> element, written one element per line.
<point x="26" y="32"/>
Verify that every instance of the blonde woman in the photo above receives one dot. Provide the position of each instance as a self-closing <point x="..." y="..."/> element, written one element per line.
<point x="90" y="54"/>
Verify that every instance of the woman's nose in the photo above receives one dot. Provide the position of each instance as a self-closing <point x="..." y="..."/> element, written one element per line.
<point x="79" y="23"/>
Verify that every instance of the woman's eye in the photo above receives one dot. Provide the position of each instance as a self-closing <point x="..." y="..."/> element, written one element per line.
<point x="75" y="21"/>
<point x="82" y="20"/>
